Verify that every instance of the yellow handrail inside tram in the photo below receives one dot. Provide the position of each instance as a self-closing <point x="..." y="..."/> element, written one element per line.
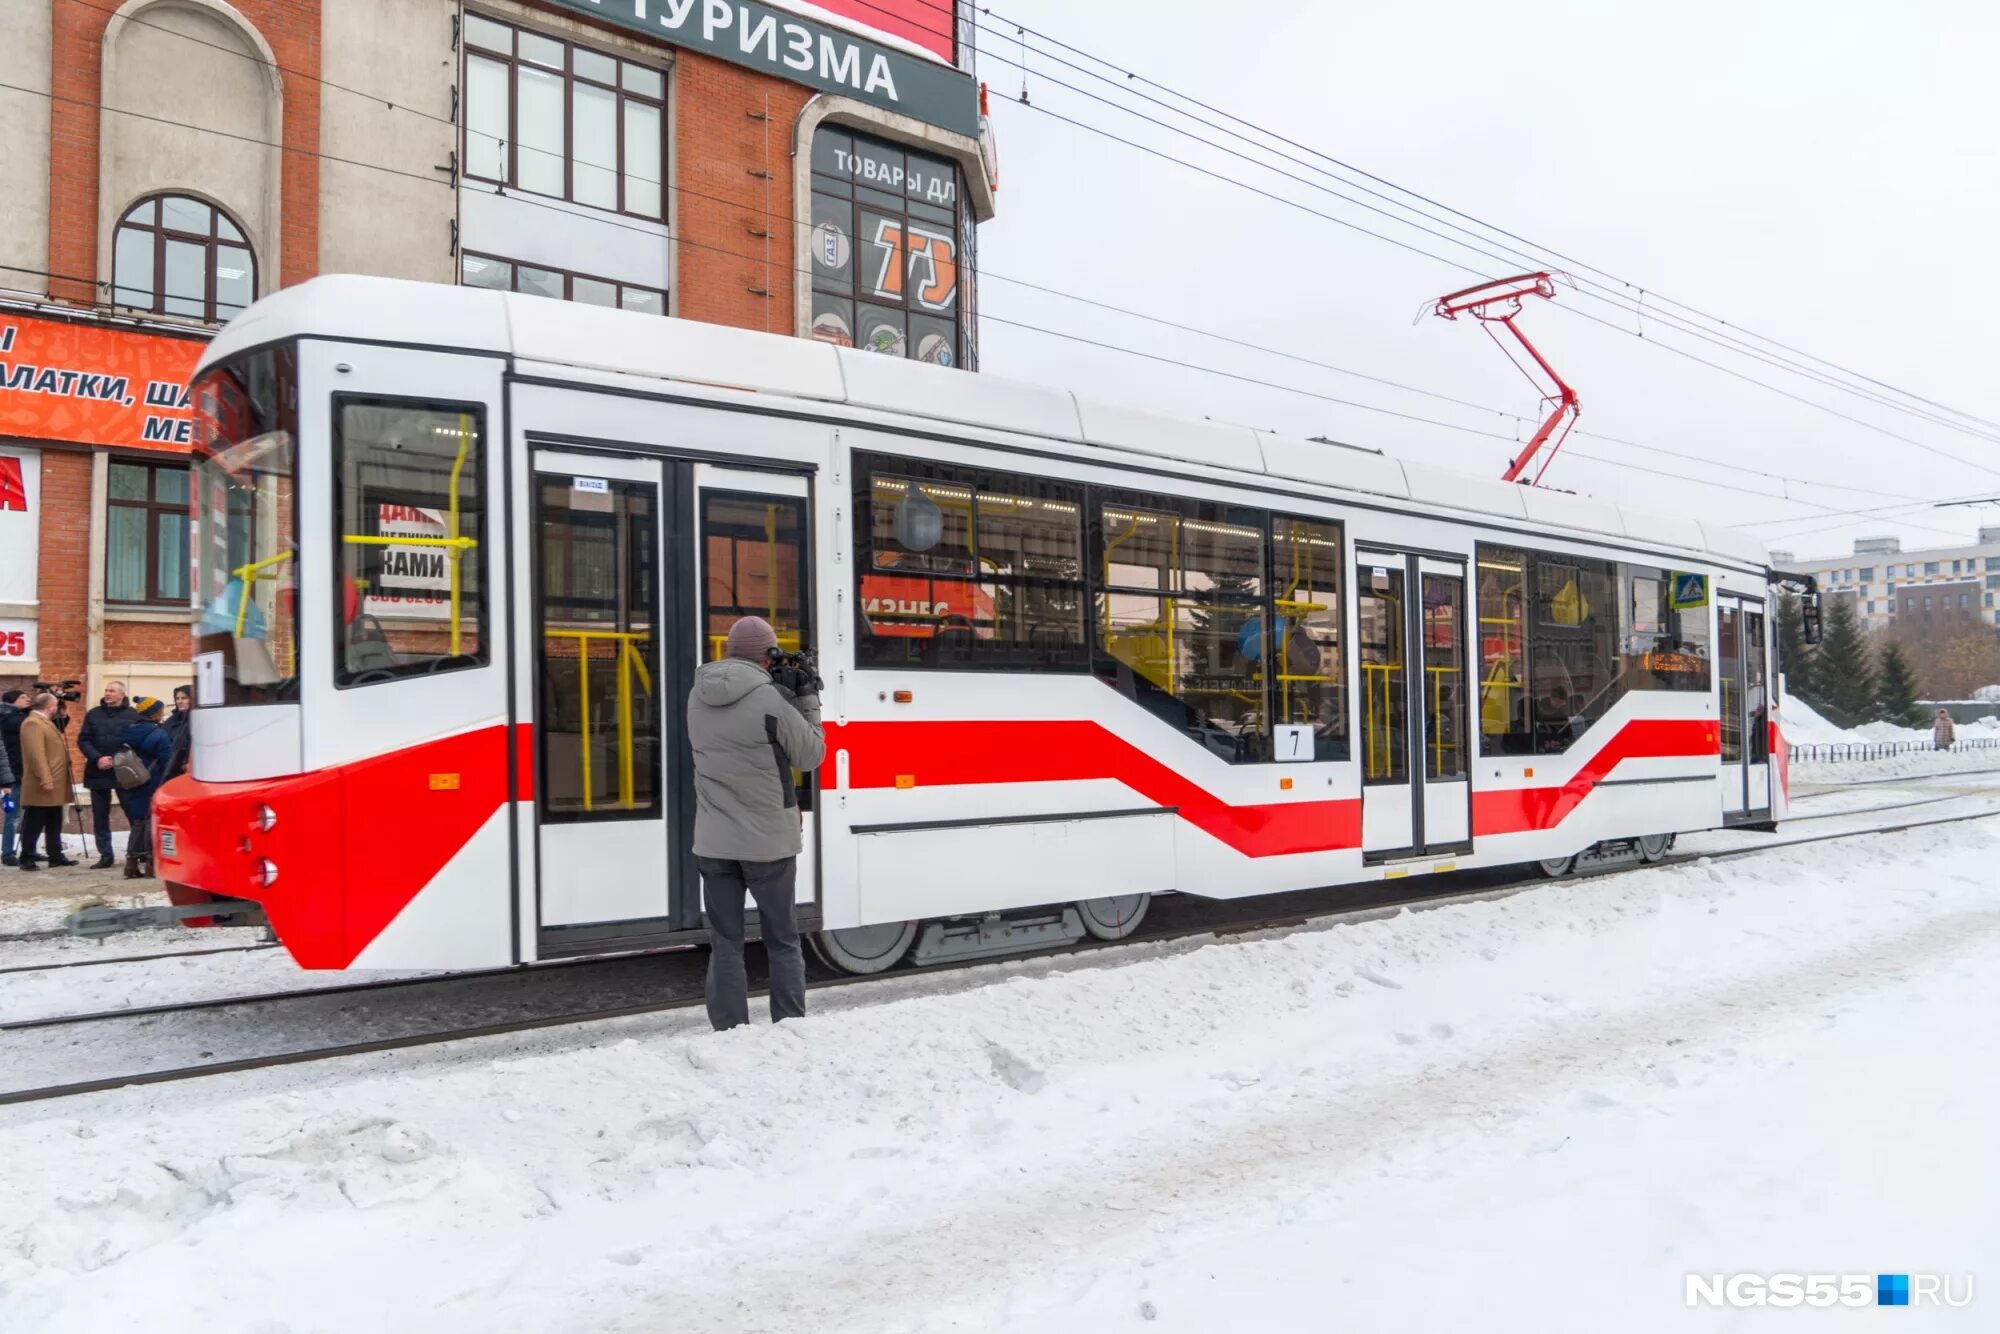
<point x="630" y="660"/>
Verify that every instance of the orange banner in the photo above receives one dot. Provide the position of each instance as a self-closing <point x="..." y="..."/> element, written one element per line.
<point x="95" y="386"/>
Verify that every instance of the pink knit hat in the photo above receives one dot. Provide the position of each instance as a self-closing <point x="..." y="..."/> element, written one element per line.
<point x="751" y="638"/>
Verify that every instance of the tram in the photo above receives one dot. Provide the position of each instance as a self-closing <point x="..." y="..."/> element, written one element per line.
<point x="458" y="553"/>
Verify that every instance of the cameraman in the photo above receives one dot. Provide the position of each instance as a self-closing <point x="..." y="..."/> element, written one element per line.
<point x="102" y="733"/>
<point x="752" y="719"/>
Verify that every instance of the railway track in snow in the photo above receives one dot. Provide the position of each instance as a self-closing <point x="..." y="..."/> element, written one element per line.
<point x="674" y="979"/>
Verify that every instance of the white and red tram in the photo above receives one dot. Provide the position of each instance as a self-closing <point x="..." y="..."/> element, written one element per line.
<point x="458" y="553"/>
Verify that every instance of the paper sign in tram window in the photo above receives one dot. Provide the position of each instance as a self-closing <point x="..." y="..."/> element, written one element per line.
<point x="1294" y="741"/>
<point x="598" y="485"/>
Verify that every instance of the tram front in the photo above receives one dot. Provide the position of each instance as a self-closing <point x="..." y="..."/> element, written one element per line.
<point x="352" y="763"/>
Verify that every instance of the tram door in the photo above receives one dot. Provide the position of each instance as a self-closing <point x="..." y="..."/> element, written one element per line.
<point x="605" y="793"/>
<point x="1416" y="791"/>
<point x="1744" y="666"/>
<point x="753" y="561"/>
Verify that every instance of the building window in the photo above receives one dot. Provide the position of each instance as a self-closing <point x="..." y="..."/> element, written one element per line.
<point x="1955" y="567"/>
<point x="1867" y="573"/>
<point x="146" y="534"/>
<point x="1964" y="601"/>
<point x="1871" y="608"/>
<point x="173" y="255"/>
<point x="1993" y="562"/>
<point x="554" y="118"/>
<point x="885" y="249"/>
<point x="1930" y="567"/>
<point x="506" y="275"/>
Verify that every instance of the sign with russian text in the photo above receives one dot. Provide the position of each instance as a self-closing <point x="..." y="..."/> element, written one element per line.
<point x="788" y="46"/>
<point x="91" y="385"/>
<point x="409" y="581"/>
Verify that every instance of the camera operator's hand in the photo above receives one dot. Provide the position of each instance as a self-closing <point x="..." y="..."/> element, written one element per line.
<point x="794" y="681"/>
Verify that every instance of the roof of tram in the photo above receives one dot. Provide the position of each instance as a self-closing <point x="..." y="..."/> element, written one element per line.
<point x="562" y="333"/>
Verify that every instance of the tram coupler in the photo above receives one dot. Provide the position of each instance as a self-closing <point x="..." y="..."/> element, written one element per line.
<point x="101" y="920"/>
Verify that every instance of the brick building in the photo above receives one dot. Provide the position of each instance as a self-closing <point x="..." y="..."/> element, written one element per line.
<point x="813" y="169"/>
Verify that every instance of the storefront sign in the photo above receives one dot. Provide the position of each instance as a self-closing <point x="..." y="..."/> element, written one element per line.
<point x="783" y="44"/>
<point x="95" y="386"/>
<point x="925" y="23"/>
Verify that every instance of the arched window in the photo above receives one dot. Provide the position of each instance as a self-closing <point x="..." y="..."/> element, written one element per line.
<point x="179" y="256"/>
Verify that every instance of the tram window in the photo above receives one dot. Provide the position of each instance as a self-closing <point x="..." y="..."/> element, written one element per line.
<point x="1504" y="727"/>
<point x="599" y="712"/>
<point x="1573" y="660"/>
<point x="411" y="596"/>
<point x="1180" y="613"/>
<point x="1380" y="608"/>
<point x="1663" y="630"/>
<point x="753" y="549"/>
<point x="1309" y="683"/>
<point x="968" y="569"/>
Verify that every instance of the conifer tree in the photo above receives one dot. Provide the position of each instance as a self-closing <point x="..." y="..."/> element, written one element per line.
<point x="1844" y="668"/>
<point x="1896" y="688"/>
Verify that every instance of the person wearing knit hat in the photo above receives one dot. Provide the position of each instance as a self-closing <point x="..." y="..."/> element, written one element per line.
<point x="751" y="724"/>
<point x="750" y="639"/>
<point x="154" y="749"/>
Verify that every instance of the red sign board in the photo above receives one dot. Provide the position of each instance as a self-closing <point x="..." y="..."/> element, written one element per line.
<point x="95" y="386"/>
<point x="925" y="23"/>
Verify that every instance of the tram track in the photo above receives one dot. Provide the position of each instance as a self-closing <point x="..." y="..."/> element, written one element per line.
<point x="447" y="981"/>
<point x="1344" y="912"/>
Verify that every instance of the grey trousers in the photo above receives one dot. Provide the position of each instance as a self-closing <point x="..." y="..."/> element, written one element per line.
<point x="774" y="886"/>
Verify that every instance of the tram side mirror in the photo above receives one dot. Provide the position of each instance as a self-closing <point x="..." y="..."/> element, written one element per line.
<point x="1809" y="616"/>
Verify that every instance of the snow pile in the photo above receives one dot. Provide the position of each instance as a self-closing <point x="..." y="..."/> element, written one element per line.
<point x="1387" y="1125"/>
<point x="1803" y="726"/>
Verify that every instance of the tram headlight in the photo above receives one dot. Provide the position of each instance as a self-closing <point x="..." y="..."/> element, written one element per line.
<point x="266" y="819"/>
<point x="267" y="872"/>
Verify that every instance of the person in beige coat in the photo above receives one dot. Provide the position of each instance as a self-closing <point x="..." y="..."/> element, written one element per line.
<point x="1943" y="733"/>
<point x="46" y="780"/>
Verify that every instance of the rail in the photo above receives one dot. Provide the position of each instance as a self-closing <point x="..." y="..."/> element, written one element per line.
<point x="1842" y="752"/>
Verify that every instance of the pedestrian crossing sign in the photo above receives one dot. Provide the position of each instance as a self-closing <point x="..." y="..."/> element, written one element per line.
<point x="1688" y="590"/>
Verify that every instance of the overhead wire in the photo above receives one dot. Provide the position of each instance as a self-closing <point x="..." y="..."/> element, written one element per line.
<point x="986" y="315"/>
<point x="950" y="35"/>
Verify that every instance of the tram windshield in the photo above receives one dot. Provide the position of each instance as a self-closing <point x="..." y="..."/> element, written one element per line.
<point x="246" y="530"/>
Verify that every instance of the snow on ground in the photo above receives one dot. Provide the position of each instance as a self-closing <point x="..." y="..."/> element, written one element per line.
<point x="1536" y="1113"/>
<point x="1804" y="726"/>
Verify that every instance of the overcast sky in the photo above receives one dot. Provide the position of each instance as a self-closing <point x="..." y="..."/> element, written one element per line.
<point x="1821" y="171"/>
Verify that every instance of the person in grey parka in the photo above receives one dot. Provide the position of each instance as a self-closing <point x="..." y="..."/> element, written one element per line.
<point x="748" y="733"/>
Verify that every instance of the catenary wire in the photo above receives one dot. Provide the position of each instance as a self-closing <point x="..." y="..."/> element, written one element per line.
<point x="1733" y="344"/>
<point x="755" y="259"/>
<point x="391" y="104"/>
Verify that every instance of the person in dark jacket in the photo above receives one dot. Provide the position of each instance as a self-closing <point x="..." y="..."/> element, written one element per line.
<point x="98" y="739"/>
<point x="180" y="730"/>
<point x="748" y="732"/>
<point x="150" y="742"/>
<point x="13" y="710"/>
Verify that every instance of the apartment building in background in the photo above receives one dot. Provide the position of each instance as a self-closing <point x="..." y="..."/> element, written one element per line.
<point x="1890" y="587"/>
<point x="817" y="170"/>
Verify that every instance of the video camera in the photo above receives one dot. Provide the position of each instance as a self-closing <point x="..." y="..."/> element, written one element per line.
<point x="797" y="670"/>
<point x="67" y="692"/>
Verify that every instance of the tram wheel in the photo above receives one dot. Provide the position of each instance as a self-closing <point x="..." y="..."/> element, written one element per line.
<point x="1555" y="868"/>
<point x="861" y="950"/>
<point x="1114" y="918"/>
<point x="1653" y="847"/>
